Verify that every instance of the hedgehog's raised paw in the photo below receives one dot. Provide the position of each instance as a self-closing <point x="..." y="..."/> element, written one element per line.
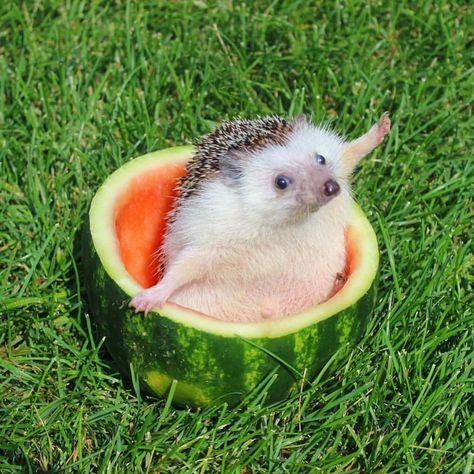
<point x="382" y="127"/>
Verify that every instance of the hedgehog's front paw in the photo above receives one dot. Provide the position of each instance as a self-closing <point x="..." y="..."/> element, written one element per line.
<point x="340" y="281"/>
<point x="146" y="300"/>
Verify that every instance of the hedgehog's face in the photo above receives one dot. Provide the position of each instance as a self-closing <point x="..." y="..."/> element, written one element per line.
<point x="289" y="182"/>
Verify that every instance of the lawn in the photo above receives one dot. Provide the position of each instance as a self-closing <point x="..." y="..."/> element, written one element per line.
<point x="86" y="86"/>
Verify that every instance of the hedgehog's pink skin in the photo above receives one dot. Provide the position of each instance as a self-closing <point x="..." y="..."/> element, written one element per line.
<point x="240" y="248"/>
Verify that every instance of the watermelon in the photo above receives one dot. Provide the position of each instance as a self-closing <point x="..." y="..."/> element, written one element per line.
<point x="202" y="359"/>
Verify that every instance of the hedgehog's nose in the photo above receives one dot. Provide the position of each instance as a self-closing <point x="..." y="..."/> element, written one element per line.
<point x="331" y="188"/>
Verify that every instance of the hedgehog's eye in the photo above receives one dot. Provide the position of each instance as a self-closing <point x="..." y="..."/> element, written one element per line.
<point x="320" y="159"/>
<point x="282" y="181"/>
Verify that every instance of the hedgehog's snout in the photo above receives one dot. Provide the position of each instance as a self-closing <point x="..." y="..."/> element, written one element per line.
<point x="328" y="190"/>
<point x="331" y="188"/>
<point x="316" y="188"/>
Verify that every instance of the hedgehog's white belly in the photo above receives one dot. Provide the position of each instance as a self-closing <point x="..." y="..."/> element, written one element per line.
<point x="265" y="286"/>
<point x="251" y="303"/>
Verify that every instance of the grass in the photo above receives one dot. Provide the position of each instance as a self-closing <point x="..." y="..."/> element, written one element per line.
<point x="86" y="86"/>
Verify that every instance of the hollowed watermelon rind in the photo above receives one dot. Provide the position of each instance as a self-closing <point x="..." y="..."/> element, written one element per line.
<point x="214" y="360"/>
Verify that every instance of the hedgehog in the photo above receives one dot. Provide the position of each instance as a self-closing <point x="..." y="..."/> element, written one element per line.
<point x="258" y="230"/>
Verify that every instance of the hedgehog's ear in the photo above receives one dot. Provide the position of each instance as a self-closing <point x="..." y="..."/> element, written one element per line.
<point x="231" y="167"/>
<point x="300" y="119"/>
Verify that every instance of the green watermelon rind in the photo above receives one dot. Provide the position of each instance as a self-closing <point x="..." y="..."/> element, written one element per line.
<point x="213" y="360"/>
